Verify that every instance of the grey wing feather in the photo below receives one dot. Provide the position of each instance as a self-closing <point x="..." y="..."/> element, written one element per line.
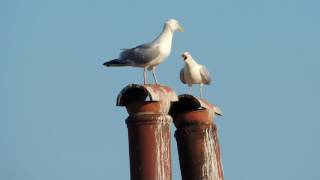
<point x="182" y="76"/>
<point x="142" y="54"/>
<point x="205" y="75"/>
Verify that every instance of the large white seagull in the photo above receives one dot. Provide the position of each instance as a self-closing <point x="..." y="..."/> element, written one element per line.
<point x="149" y="55"/>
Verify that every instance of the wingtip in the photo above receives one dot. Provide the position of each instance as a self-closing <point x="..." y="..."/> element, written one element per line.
<point x="106" y="64"/>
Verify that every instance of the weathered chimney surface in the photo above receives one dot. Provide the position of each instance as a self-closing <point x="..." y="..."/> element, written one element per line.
<point x="197" y="140"/>
<point x="148" y="130"/>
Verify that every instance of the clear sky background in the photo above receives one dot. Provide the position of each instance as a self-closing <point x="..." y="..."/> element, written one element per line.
<point x="58" y="118"/>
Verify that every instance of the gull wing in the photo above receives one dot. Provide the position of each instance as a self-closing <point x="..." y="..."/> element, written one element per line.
<point x="205" y="75"/>
<point x="182" y="76"/>
<point x="141" y="55"/>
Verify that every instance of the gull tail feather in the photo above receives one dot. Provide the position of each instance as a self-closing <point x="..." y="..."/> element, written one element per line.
<point x="115" y="63"/>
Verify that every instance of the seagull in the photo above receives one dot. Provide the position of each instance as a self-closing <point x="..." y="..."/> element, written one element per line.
<point x="149" y="55"/>
<point x="194" y="73"/>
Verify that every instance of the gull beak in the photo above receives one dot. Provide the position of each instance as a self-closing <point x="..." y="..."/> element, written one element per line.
<point x="184" y="57"/>
<point x="180" y="28"/>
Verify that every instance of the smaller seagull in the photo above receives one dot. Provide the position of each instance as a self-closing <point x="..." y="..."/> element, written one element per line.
<point x="194" y="73"/>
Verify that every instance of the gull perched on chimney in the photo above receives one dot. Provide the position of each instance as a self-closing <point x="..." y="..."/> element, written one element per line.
<point x="149" y="55"/>
<point x="194" y="73"/>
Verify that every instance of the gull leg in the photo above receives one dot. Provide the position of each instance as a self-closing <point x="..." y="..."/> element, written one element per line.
<point x="144" y="75"/>
<point x="201" y="90"/>
<point x="190" y="88"/>
<point x="154" y="74"/>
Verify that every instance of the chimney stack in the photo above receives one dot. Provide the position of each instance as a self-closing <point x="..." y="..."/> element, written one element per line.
<point x="197" y="140"/>
<point x="148" y="130"/>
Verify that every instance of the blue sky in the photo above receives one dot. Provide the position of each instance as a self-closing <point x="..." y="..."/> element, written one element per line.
<point x="58" y="118"/>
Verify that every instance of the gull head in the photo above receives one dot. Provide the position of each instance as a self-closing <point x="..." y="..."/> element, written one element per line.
<point x="174" y="25"/>
<point x="185" y="56"/>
